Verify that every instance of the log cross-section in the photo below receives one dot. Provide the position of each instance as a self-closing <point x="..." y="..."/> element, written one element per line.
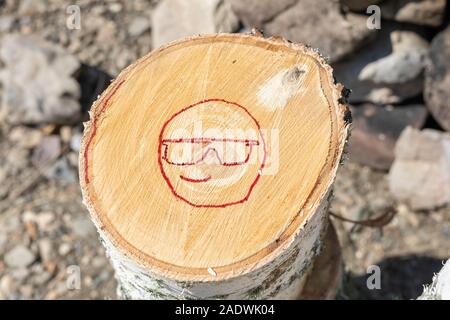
<point x="207" y="167"/>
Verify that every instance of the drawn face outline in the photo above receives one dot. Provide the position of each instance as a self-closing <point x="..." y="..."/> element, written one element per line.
<point x="250" y="143"/>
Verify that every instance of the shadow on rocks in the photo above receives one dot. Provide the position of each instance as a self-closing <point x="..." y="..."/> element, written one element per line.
<point x="402" y="277"/>
<point x="93" y="82"/>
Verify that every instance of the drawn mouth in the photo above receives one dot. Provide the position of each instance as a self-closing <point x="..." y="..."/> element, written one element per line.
<point x="195" y="180"/>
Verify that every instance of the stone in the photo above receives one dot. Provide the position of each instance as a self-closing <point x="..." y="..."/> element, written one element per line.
<point x="64" y="249"/>
<point x="3" y="240"/>
<point x="44" y="220"/>
<point x="255" y="13"/>
<point x="75" y="141"/>
<point x="17" y="159"/>
<point x="38" y="83"/>
<point x="437" y="79"/>
<point x="358" y="5"/>
<point x="388" y="70"/>
<point x="20" y="274"/>
<point x="25" y="137"/>
<point x="47" y="151"/>
<point x="45" y="246"/>
<point x="375" y="130"/>
<point x="7" y="285"/>
<point x="19" y="257"/>
<point x="420" y="174"/>
<point x="61" y="170"/>
<point x="422" y="12"/>
<point x="138" y="26"/>
<point x="83" y="227"/>
<point x="321" y="24"/>
<point x="6" y="22"/>
<point x="32" y="7"/>
<point x="175" y="19"/>
<point x="65" y="132"/>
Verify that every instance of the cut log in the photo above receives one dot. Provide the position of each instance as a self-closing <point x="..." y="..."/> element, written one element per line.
<point x="207" y="167"/>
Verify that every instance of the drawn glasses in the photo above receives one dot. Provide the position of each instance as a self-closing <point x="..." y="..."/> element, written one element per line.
<point x="192" y="151"/>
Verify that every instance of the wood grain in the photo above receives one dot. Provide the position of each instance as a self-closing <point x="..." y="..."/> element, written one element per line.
<point x="281" y="95"/>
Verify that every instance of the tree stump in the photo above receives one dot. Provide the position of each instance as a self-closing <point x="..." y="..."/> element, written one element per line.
<point x="207" y="168"/>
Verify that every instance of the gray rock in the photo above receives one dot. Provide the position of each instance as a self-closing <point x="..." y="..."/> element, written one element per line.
<point x="255" y="13"/>
<point x="7" y="286"/>
<point x="437" y="79"/>
<point x="38" y="83"/>
<point x="47" y="151"/>
<point x="422" y="12"/>
<point x="6" y="23"/>
<point x="3" y="240"/>
<point x="32" y="7"/>
<point x="389" y="70"/>
<point x="420" y="174"/>
<point x="75" y="141"/>
<point x="175" y="19"/>
<point x="375" y="130"/>
<point x="19" y="257"/>
<point x="25" y="137"/>
<point x="20" y="274"/>
<point x="358" y="5"/>
<point x="138" y="26"/>
<point x="64" y="249"/>
<point x="61" y="170"/>
<point x="83" y="227"/>
<point x="321" y="24"/>
<point x="45" y="246"/>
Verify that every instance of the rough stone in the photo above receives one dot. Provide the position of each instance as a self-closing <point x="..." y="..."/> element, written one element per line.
<point x="420" y="174"/>
<point x="422" y="12"/>
<point x="388" y="70"/>
<point x="255" y="13"/>
<point x="83" y="227"/>
<point x="38" y="86"/>
<point x="75" y="141"/>
<point x="175" y="19"/>
<point x="138" y="26"/>
<point x="375" y="129"/>
<point x="47" y="151"/>
<point x="437" y="79"/>
<point x="61" y="170"/>
<point x="358" y="5"/>
<point x="321" y="24"/>
<point x="46" y="249"/>
<point x="19" y="257"/>
<point x="25" y="137"/>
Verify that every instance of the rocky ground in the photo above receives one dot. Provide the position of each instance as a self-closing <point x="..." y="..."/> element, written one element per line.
<point x="399" y="75"/>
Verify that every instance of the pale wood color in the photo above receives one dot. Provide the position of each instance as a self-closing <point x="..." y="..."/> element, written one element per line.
<point x="215" y="226"/>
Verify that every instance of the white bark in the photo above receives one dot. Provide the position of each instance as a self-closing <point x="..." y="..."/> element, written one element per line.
<point x="440" y="288"/>
<point x="281" y="278"/>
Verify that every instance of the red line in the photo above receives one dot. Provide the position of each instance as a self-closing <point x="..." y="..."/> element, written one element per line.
<point x="195" y="180"/>
<point x="204" y="140"/>
<point x="223" y="163"/>
<point x="160" y="157"/>
<point x="94" y="131"/>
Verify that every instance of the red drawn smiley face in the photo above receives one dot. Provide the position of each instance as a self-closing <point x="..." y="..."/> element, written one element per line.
<point x="211" y="153"/>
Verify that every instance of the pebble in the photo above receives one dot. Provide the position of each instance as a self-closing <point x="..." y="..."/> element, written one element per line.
<point x="420" y="173"/>
<point x="19" y="257"/>
<point x="46" y="249"/>
<point x="7" y="285"/>
<point x="175" y="19"/>
<point x="138" y="26"/>
<point x="64" y="249"/>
